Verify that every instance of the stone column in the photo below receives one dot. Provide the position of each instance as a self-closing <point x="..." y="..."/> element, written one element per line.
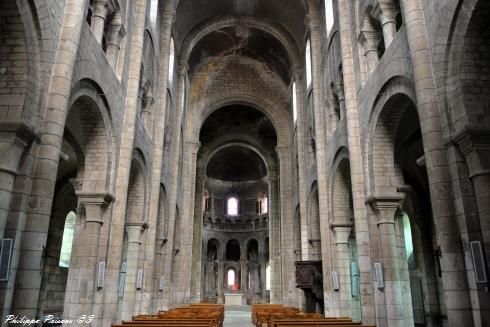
<point x="263" y="278"/>
<point x="134" y="232"/>
<point x="28" y="280"/>
<point x="82" y="275"/>
<point x="173" y="181"/>
<point x="159" y="134"/>
<point x="301" y="130"/>
<point x="286" y="257"/>
<point x="197" y="248"/>
<point x="388" y="23"/>
<point x="14" y="139"/>
<point x="343" y="257"/>
<point x="124" y="165"/>
<point x="99" y="17"/>
<point x="356" y="165"/>
<point x="116" y="34"/>
<point x="244" y="268"/>
<point x="221" y="281"/>
<point x="339" y="88"/>
<point x="456" y="290"/>
<point x="399" y="313"/>
<point x="181" y="293"/>
<point x="370" y="39"/>
<point x="274" y="238"/>
<point x="320" y="150"/>
<point x="475" y="146"/>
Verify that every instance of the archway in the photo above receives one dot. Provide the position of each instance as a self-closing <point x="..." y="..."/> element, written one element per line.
<point x="400" y="184"/>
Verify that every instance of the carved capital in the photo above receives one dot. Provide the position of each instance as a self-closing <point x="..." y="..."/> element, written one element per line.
<point x="14" y="139"/>
<point x="386" y="207"/>
<point x="135" y="231"/>
<point x="94" y="205"/>
<point x="474" y="143"/>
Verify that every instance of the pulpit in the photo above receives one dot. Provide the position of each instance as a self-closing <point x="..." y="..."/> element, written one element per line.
<point x="309" y="278"/>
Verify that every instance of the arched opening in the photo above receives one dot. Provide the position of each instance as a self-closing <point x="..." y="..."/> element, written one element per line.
<point x="211" y="270"/>
<point x="134" y="228"/>
<point x="308" y="66"/>
<point x="171" y="62"/>
<point x="232" y="206"/>
<point x="231" y="280"/>
<point x="329" y="17"/>
<point x="343" y="227"/>
<point x="398" y="144"/>
<point x="233" y="250"/>
<point x="237" y="147"/>
<point x="67" y="241"/>
<point x="295" y="103"/>
<point x="84" y="167"/>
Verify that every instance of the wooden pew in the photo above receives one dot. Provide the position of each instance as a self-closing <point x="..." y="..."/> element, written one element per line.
<point x="195" y="315"/>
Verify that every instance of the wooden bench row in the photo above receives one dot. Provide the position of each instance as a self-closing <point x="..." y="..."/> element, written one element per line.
<point x="195" y="315"/>
<point x="276" y="315"/>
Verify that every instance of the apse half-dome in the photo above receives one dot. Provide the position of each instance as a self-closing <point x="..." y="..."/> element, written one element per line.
<point x="236" y="163"/>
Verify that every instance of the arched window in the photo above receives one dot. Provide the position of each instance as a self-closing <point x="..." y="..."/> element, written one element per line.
<point x="171" y="60"/>
<point x="207" y="202"/>
<point x="262" y="203"/>
<point x="230" y="278"/>
<point x="232" y="206"/>
<point x="295" y="105"/>
<point x="407" y="233"/>
<point x="153" y="13"/>
<point x="67" y="242"/>
<point x="268" y="277"/>
<point x="329" y="19"/>
<point x="308" y="63"/>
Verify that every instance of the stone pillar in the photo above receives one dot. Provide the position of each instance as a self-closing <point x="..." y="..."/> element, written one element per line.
<point x="455" y="284"/>
<point x="356" y="165"/>
<point x="244" y="268"/>
<point x="123" y="166"/>
<point x="82" y="275"/>
<point x="147" y="102"/>
<point x="475" y="146"/>
<point x="116" y="34"/>
<point x="181" y="293"/>
<point x="339" y="88"/>
<point x="370" y="39"/>
<point x="14" y="139"/>
<point x="221" y="281"/>
<point x="173" y="182"/>
<point x="321" y="163"/>
<point x="343" y="257"/>
<point x="161" y="244"/>
<point x="399" y="312"/>
<point x="285" y="256"/>
<point x="197" y="247"/>
<point x="28" y="279"/>
<point x="134" y="232"/>
<point x="301" y="130"/>
<point x="263" y="279"/>
<point x="99" y="17"/>
<point x="274" y="238"/>
<point x="388" y="23"/>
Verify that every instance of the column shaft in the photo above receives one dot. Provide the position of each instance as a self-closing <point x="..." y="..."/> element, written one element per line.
<point x="456" y="291"/>
<point x="28" y="280"/>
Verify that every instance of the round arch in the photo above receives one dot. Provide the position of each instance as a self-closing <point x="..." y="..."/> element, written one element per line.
<point x="279" y="117"/>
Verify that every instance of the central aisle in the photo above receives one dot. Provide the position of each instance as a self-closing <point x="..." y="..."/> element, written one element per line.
<point x="238" y="316"/>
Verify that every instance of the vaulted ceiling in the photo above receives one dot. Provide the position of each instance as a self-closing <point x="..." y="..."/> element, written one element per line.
<point x="288" y="13"/>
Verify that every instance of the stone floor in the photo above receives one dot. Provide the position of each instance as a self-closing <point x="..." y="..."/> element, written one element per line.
<point x="238" y="316"/>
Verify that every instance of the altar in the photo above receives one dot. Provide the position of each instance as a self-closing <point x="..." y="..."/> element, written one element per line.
<point x="233" y="299"/>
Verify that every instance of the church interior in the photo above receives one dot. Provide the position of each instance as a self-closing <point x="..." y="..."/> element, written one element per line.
<point x="230" y="162"/>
